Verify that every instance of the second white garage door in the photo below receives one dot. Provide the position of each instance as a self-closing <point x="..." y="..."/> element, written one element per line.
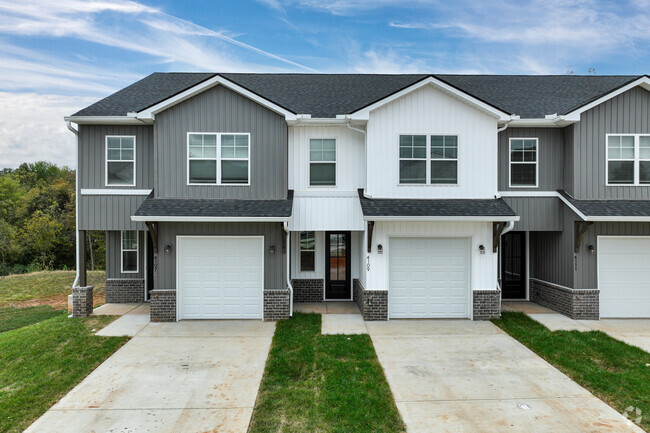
<point x="220" y="277"/>
<point x="624" y="276"/>
<point x="429" y="278"/>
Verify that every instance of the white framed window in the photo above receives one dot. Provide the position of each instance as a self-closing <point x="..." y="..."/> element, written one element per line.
<point x="130" y="247"/>
<point x="307" y="251"/>
<point x="218" y="158"/>
<point x="428" y="159"/>
<point x="628" y="159"/>
<point x="523" y="158"/>
<point x="120" y="160"/>
<point x="322" y="162"/>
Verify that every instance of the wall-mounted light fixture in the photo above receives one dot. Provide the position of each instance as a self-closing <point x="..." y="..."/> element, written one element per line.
<point x="481" y="249"/>
<point x="272" y="250"/>
<point x="591" y="249"/>
<point x="380" y="249"/>
<point x="169" y="248"/>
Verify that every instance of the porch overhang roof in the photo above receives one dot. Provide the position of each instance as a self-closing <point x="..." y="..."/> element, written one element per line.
<point x="608" y="210"/>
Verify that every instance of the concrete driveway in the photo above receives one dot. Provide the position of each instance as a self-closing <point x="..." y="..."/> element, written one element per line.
<point x="171" y="377"/>
<point x="463" y="376"/>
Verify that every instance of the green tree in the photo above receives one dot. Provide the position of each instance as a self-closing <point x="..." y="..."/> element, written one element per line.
<point x="41" y="233"/>
<point x="10" y="197"/>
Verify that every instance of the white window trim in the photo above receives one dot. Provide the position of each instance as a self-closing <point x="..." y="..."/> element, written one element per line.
<point x="300" y="250"/>
<point x="428" y="160"/>
<point x="106" y="160"/>
<point x="336" y="163"/>
<point x="536" y="163"/>
<point x="137" y="250"/>
<point x="218" y="158"/>
<point x="636" y="160"/>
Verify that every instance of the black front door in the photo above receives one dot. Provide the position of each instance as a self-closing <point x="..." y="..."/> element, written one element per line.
<point x="150" y="264"/>
<point x="513" y="265"/>
<point x="337" y="265"/>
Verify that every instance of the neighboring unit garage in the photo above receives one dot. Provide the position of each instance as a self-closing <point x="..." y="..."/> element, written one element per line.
<point x="624" y="276"/>
<point x="220" y="277"/>
<point x="429" y="278"/>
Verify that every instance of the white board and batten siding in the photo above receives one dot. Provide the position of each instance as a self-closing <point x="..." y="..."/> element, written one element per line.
<point x="431" y="111"/>
<point x="624" y="276"/>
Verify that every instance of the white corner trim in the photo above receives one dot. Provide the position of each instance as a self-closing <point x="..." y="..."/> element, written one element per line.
<point x="364" y="113"/>
<point x="575" y="115"/>
<point x="138" y="218"/>
<point x="108" y="191"/>
<point x="149" y="113"/>
<point x="443" y="218"/>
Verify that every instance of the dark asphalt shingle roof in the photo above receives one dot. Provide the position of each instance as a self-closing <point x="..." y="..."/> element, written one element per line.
<point x="326" y="95"/>
<point x="185" y="207"/>
<point x="610" y="208"/>
<point x="382" y="207"/>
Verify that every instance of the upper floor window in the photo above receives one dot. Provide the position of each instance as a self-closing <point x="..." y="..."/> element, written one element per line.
<point x="129" y="251"/>
<point x="628" y="159"/>
<point x="218" y="159"/>
<point x="120" y="160"/>
<point x="523" y="162"/>
<point x="434" y="164"/>
<point x="307" y="251"/>
<point x="322" y="162"/>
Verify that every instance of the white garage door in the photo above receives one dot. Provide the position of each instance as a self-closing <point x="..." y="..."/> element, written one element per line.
<point x="429" y="278"/>
<point x="624" y="276"/>
<point x="220" y="277"/>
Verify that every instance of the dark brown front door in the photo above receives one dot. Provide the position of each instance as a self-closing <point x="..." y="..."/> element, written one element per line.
<point x="513" y="265"/>
<point x="337" y="265"/>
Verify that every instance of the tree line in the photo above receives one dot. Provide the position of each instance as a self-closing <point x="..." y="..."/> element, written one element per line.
<point x="37" y="220"/>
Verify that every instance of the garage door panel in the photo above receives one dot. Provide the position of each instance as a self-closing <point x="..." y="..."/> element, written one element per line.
<point x="428" y="277"/>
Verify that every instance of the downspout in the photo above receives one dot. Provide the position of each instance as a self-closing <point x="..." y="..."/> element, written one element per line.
<point x="365" y="150"/>
<point x="76" y="204"/>
<point x="289" y="285"/>
<point x="509" y="227"/>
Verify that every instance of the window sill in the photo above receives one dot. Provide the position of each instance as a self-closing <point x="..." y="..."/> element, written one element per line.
<point x="429" y="185"/>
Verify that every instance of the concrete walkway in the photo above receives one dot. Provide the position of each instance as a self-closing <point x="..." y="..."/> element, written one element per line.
<point x="134" y="319"/>
<point x="171" y="377"/>
<point x="336" y="317"/>
<point x="635" y="332"/>
<point x="464" y="376"/>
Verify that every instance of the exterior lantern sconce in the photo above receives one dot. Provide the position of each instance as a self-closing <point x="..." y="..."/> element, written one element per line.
<point x="169" y="248"/>
<point x="380" y="249"/>
<point x="481" y="249"/>
<point x="591" y="250"/>
<point x="272" y="250"/>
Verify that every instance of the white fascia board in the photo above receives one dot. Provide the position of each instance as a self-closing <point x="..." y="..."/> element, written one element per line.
<point x="555" y="122"/>
<point x="573" y="208"/>
<point x="207" y="219"/>
<point x="107" y="120"/>
<point x="631" y="219"/>
<point x="317" y="121"/>
<point x="107" y="191"/>
<point x="575" y="115"/>
<point x="150" y="113"/>
<point x="364" y="113"/>
<point x="442" y="218"/>
<point x="528" y="194"/>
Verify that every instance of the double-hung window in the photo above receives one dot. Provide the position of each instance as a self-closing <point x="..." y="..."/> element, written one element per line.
<point x="322" y="162"/>
<point x="523" y="162"/>
<point x="129" y="251"/>
<point x="307" y="251"/>
<point x="431" y="160"/>
<point x="218" y="159"/>
<point x="120" y="160"/>
<point x="628" y="159"/>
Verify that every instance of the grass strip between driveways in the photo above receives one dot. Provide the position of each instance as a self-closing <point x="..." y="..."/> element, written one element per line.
<point x="40" y="363"/>
<point x="323" y="383"/>
<point x="14" y="318"/>
<point x="615" y="372"/>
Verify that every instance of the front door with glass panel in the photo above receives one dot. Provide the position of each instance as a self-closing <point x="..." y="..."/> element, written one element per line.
<point x="337" y="265"/>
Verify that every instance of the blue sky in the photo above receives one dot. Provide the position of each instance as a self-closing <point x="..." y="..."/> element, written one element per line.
<point x="57" y="56"/>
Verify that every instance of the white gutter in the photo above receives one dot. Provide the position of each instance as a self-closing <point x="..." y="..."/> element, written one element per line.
<point x="76" y="205"/>
<point x="442" y="218"/>
<point x="509" y="227"/>
<point x="289" y="285"/>
<point x="191" y="219"/>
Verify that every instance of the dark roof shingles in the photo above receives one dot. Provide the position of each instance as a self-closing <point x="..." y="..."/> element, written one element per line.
<point x="610" y="208"/>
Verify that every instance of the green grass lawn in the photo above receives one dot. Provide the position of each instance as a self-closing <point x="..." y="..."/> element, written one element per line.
<point x="46" y="287"/>
<point x="615" y="372"/>
<point x="40" y="363"/>
<point x="14" y="318"/>
<point x="323" y="383"/>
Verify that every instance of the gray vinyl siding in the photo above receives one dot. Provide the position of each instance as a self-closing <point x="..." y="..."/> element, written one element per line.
<point x="568" y="160"/>
<point x="551" y="253"/>
<point x="549" y="155"/>
<point x="114" y="256"/>
<point x="274" y="265"/>
<point x="109" y="212"/>
<point x="626" y="113"/>
<point x="537" y="213"/>
<point x="221" y="110"/>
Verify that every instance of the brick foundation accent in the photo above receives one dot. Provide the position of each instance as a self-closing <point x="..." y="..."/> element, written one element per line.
<point x="487" y="304"/>
<point x="373" y="304"/>
<point x="276" y="304"/>
<point x="163" y="305"/>
<point x="579" y="304"/>
<point x="308" y="290"/>
<point x="124" y="290"/>
<point x="82" y="301"/>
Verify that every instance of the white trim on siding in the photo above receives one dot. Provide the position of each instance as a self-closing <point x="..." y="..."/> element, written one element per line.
<point x="107" y="191"/>
<point x="207" y="219"/>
